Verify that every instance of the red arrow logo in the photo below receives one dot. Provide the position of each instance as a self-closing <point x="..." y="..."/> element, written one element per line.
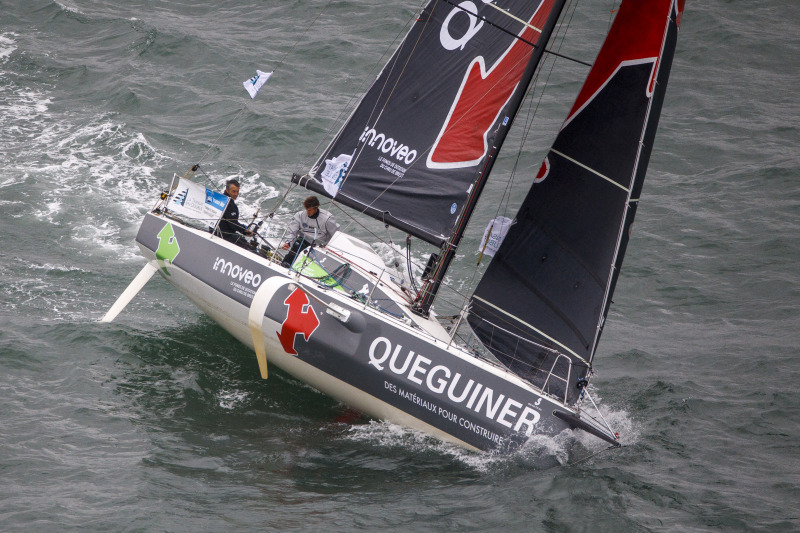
<point x="300" y="318"/>
<point x="481" y="98"/>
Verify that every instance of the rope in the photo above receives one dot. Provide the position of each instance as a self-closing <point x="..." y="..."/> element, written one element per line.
<point x="579" y="461"/>
<point x="380" y="113"/>
<point x="608" y="427"/>
<point x="328" y="275"/>
<point x="214" y="144"/>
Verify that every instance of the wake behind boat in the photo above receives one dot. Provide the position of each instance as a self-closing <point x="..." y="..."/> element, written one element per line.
<point x="416" y="154"/>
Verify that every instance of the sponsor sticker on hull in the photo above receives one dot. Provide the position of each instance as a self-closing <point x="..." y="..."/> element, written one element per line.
<point x="450" y="394"/>
<point x="301" y="319"/>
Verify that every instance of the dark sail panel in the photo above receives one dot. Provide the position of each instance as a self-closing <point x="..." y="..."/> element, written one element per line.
<point x="541" y="303"/>
<point x="429" y="121"/>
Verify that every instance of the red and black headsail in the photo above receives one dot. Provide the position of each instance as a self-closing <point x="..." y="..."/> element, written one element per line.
<point x="541" y="305"/>
<point x="413" y="149"/>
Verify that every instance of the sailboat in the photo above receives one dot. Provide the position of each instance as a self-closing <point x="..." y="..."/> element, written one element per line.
<point x="416" y="154"/>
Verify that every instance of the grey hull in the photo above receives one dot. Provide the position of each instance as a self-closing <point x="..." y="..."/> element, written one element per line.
<point x="373" y="362"/>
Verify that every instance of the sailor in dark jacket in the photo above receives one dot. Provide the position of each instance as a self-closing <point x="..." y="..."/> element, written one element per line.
<point x="229" y="226"/>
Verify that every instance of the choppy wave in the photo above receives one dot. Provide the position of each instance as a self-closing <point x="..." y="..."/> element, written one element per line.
<point x="92" y="174"/>
<point x="7" y="46"/>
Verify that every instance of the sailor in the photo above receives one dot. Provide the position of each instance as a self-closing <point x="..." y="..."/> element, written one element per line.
<point x="312" y="225"/>
<point x="229" y="226"/>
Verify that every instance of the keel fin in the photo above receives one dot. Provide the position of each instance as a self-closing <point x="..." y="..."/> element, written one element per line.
<point x="258" y="307"/>
<point x="255" y="319"/>
<point x="133" y="289"/>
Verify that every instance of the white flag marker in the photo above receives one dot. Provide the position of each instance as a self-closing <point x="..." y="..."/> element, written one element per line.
<point x="254" y="84"/>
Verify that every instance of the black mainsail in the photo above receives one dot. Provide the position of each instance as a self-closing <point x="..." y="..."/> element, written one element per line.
<point x="419" y="141"/>
<point x="542" y="303"/>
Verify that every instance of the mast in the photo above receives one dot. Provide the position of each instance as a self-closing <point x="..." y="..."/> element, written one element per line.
<point x="431" y="287"/>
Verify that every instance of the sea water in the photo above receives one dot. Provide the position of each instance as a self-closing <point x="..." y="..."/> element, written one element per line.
<point x="160" y="421"/>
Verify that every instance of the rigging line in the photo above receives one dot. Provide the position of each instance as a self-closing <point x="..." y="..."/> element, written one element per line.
<point x="391" y="246"/>
<point x="566" y="25"/>
<point x="507" y="192"/>
<point x="616" y="265"/>
<point x="529" y="123"/>
<point x="308" y="27"/>
<point x="608" y="426"/>
<point x="508" y="14"/>
<point x="528" y="126"/>
<point x="502" y="323"/>
<point x="593" y="171"/>
<point x="611" y="14"/>
<point x="369" y="119"/>
<point x="344" y="256"/>
<point x="386" y="103"/>
<point x="455" y="123"/>
<point x="579" y="461"/>
<point x="214" y="144"/>
<point x="354" y="96"/>
<point x="354" y="221"/>
<point x="399" y="76"/>
<point x="490" y="23"/>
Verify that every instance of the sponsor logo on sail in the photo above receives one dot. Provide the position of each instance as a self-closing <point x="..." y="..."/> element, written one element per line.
<point x="544" y="170"/>
<point x="388" y="146"/>
<point x="180" y="198"/>
<point x="468" y="9"/>
<point x="485" y="89"/>
<point x="216" y="199"/>
<point x="335" y="172"/>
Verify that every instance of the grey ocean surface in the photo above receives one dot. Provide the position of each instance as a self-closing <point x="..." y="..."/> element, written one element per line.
<point x="160" y="421"/>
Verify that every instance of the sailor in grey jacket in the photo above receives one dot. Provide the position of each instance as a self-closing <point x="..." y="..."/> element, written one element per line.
<point x="313" y="224"/>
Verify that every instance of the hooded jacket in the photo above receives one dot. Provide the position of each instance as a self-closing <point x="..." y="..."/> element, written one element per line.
<point x="319" y="229"/>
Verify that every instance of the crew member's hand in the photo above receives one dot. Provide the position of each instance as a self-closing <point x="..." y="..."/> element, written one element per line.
<point x="285" y="246"/>
<point x="248" y="233"/>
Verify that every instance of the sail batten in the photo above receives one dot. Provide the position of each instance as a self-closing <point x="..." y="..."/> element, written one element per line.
<point x="529" y="326"/>
<point x="558" y="265"/>
<point x="593" y="171"/>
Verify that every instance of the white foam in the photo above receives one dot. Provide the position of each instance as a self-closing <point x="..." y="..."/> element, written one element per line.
<point x="540" y="451"/>
<point x="231" y="399"/>
<point x="386" y="434"/>
<point x="68" y="9"/>
<point x="99" y="177"/>
<point x="7" y="46"/>
<point x="619" y="421"/>
<point x="49" y="267"/>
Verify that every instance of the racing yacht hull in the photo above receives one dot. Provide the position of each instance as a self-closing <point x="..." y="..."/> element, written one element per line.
<point x="383" y="364"/>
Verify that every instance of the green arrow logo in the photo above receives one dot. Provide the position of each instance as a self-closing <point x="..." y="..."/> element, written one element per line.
<point x="168" y="248"/>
